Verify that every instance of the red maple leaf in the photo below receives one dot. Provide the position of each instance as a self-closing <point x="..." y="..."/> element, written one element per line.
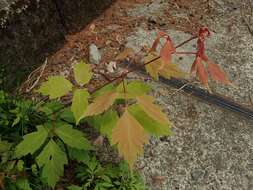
<point x="160" y="34"/>
<point x="198" y="67"/>
<point x="167" y="50"/>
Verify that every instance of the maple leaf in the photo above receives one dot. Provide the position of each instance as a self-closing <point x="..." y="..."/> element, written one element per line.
<point x="79" y="103"/>
<point x="217" y="74"/>
<point x="146" y="103"/>
<point x="172" y="70"/>
<point x="55" y="87"/>
<point x="167" y="70"/>
<point x="134" y="88"/>
<point x="153" y="67"/>
<point x="198" y="67"/>
<point x="160" y="35"/>
<point x="101" y="104"/>
<point x="166" y="52"/>
<point x="72" y="137"/>
<point x="52" y="159"/>
<point x="82" y="73"/>
<point x="153" y="127"/>
<point x="202" y="73"/>
<point x="32" y="142"/>
<point x="130" y="138"/>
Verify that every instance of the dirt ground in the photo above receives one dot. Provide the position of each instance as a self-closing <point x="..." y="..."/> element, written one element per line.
<point x="210" y="148"/>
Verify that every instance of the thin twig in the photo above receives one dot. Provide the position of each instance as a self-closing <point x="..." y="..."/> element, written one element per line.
<point x="186" y="53"/>
<point x="182" y="87"/>
<point x="123" y="75"/>
<point x="37" y="80"/>
<point x="186" y="41"/>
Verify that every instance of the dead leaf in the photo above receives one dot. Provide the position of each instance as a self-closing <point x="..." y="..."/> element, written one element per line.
<point x="130" y="138"/>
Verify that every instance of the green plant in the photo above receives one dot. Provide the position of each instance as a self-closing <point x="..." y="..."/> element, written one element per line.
<point x="17" y="117"/>
<point x="122" y="110"/>
<point x="128" y="128"/>
<point x="93" y="176"/>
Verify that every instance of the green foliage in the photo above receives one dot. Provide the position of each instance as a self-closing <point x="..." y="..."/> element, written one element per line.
<point x="93" y="176"/>
<point x="152" y="126"/>
<point x="105" y="122"/>
<point x="123" y="113"/>
<point x="49" y="155"/>
<point x="52" y="159"/>
<point x="82" y="73"/>
<point x="79" y="103"/>
<point x="104" y="114"/>
<point x="55" y="87"/>
<point x="134" y="88"/>
<point x="32" y="142"/>
<point x="72" y="137"/>
<point x="17" y="116"/>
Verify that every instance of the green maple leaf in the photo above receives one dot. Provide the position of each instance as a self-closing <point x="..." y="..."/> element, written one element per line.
<point x="55" y="87"/>
<point x="23" y="184"/>
<point x="79" y="103"/>
<point x="52" y="159"/>
<point x="74" y="187"/>
<point x="105" y="122"/>
<point x="134" y="88"/>
<point x="152" y="126"/>
<point x="81" y="156"/>
<point x="32" y="142"/>
<point x="82" y="73"/>
<point x="104" y="90"/>
<point x="72" y="137"/>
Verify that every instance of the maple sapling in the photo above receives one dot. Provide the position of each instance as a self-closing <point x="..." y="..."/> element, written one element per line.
<point x="128" y="123"/>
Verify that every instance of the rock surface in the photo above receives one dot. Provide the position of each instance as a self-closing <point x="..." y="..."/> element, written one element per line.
<point x="94" y="54"/>
<point x="209" y="148"/>
<point x="30" y="30"/>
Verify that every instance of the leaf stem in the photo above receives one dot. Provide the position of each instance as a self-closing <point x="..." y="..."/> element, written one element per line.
<point x="185" y="53"/>
<point x="186" y="41"/>
<point x="124" y="74"/>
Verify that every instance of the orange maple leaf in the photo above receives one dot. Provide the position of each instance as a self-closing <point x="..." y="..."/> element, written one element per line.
<point x="130" y="137"/>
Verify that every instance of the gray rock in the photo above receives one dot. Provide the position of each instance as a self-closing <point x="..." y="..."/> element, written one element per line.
<point x="210" y="148"/>
<point x="94" y="54"/>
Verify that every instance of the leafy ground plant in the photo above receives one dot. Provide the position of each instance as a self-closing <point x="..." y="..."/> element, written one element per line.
<point x="123" y="111"/>
<point x="92" y="175"/>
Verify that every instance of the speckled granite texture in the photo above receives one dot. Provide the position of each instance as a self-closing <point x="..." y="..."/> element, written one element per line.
<point x="211" y="148"/>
